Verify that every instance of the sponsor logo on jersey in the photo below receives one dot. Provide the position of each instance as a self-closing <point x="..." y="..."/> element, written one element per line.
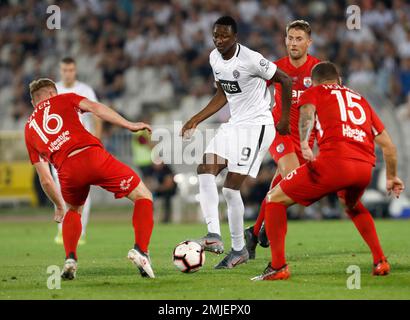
<point x="264" y="63"/>
<point x="307" y="82"/>
<point x="126" y="184"/>
<point x="355" y="134"/>
<point x="280" y="148"/>
<point x="61" y="139"/>
<point x="296" y="95"/>
<point x="230" y="87"/>
<point x="236" y="74"/>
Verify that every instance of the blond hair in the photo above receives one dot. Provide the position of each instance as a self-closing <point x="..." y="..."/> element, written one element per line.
<point x="299" y="25"/>
<point x="41" y="83"/>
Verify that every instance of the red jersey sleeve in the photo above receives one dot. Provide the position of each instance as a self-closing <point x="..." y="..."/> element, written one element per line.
<point x="377" y="124"/>
<point x="309" y="96"/>
<point x="32" y="153"/>
<point x="75" y="100"/>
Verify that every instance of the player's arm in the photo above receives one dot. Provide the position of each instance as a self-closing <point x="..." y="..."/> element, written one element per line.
<point x="306" y="125"/>
<point x="393" y="182"/>
<point x="286" y="83"/>
<point x="109" y="115"/>
<point x="97" y="126"/>
<point x="50" y="188"/>
<point x="97" y="122"/>
<point x="216" y="103"/>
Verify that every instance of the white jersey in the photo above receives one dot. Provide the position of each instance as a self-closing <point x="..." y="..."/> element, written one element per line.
<point x="243" y="79"/>
<point x="84" y="90"/>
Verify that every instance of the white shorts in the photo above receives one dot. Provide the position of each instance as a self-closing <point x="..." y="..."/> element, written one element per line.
<point x="244" y="147"/>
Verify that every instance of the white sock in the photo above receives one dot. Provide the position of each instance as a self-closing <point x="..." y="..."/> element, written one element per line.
<point x="236" y="211"/>
<point x="85" y="214"/>
<point x="209" y="200"/>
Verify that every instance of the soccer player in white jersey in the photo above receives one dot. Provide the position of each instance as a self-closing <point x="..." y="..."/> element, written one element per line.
<point x="70" y="84"/>
<point x="240" y="144"/>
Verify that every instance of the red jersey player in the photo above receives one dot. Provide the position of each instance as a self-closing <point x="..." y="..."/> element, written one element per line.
<point x="285" y="150"/>
<point x="344" y="165"/>
<point x="55" y="134"/>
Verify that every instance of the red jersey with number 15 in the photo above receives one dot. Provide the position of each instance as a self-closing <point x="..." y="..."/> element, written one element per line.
<point x="347" y="121"/>
<point x="54" y="130"/>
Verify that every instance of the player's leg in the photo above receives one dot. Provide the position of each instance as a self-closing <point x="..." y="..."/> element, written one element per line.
<point x="364" y="223"/>
<point x="71" y="232"/>
<point x="231" y="191"/>
<point x="85" y="215"/>
<point x="58" y="239"/>
<point x="276" y="227"/>
<point x="143" y="217"/>
<point x="209" y="200"/>
<point x="283" y="153"/>
<point x="256" y="234"/>
<point x="143" y="223"/>
<point x="286" y="163"/>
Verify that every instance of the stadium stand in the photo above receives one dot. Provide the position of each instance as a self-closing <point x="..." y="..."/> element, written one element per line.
<point x="152" y="56"/>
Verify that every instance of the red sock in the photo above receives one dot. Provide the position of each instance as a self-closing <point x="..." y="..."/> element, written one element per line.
<point x="363" y="221"/>
<point x="71" y="233"/>
<point x="259" y="220"/>
<point x="276" y="228"/>
<point x="143" y="222"/>
<point x="261" y="216"/>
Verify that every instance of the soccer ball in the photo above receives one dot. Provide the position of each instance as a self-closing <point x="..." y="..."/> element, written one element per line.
<point x="188" y="256"/>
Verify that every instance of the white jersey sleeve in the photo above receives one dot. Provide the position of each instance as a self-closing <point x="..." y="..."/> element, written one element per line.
<point x="212" y="61"/>
<point x="90" y="94"/>
<point x="262" y="67"/>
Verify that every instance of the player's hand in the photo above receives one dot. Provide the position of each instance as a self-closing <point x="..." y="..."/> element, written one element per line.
<point x="283" y="127"/>
<point x="307" y="152"/>
<point x="138" y="126"/>
<point x="395" y="186"/>
<point x="59" y="215"/>
<point x="188" y="129"/>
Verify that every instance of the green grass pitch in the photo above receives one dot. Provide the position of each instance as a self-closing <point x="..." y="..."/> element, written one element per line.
<point x="318" y="252"/>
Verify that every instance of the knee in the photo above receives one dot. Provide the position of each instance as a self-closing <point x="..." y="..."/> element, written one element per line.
<point x="271" y="196"/>
<point x="276" y="195"/>
<point x="148" y="195"/>
<point x="230" y="194"/>
<point x="207" y="169"/>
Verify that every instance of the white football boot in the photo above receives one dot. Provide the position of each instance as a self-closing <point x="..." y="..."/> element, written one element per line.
<point x="69" y="269"/>
<point x="142" y="261"/>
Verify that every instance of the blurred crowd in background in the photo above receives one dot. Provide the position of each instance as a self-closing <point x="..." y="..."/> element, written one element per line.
<point x="145" y="57"/>
<point x="144" y="53"/>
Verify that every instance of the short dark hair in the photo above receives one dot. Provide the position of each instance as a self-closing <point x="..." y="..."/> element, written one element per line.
<point x="68" y="60"/>
<point x="325" y="70"/>
<point x="227" y="21"/>
<point x="299" y="25"/>
<point x="41" y="83"/>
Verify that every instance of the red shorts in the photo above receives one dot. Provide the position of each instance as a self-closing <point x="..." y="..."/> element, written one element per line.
<point x="283" y="145"/>
<point x="325" y="175"/>
<point x="95" y="166"/>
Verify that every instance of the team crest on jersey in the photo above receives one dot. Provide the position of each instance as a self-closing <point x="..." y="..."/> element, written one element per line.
<point x="307" y="82"/>
<point x="262" y="62"/>
<point x="126" y="184"/>
<point x="236" y="74"/>
<point x="280" y="148"/>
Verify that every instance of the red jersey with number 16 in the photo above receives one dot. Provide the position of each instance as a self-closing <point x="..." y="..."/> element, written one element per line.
<point x="54" y="130"/>
<point x="348" y="124"/>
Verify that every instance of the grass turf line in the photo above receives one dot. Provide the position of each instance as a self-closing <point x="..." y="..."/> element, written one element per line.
<point x="318" y="252"/>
